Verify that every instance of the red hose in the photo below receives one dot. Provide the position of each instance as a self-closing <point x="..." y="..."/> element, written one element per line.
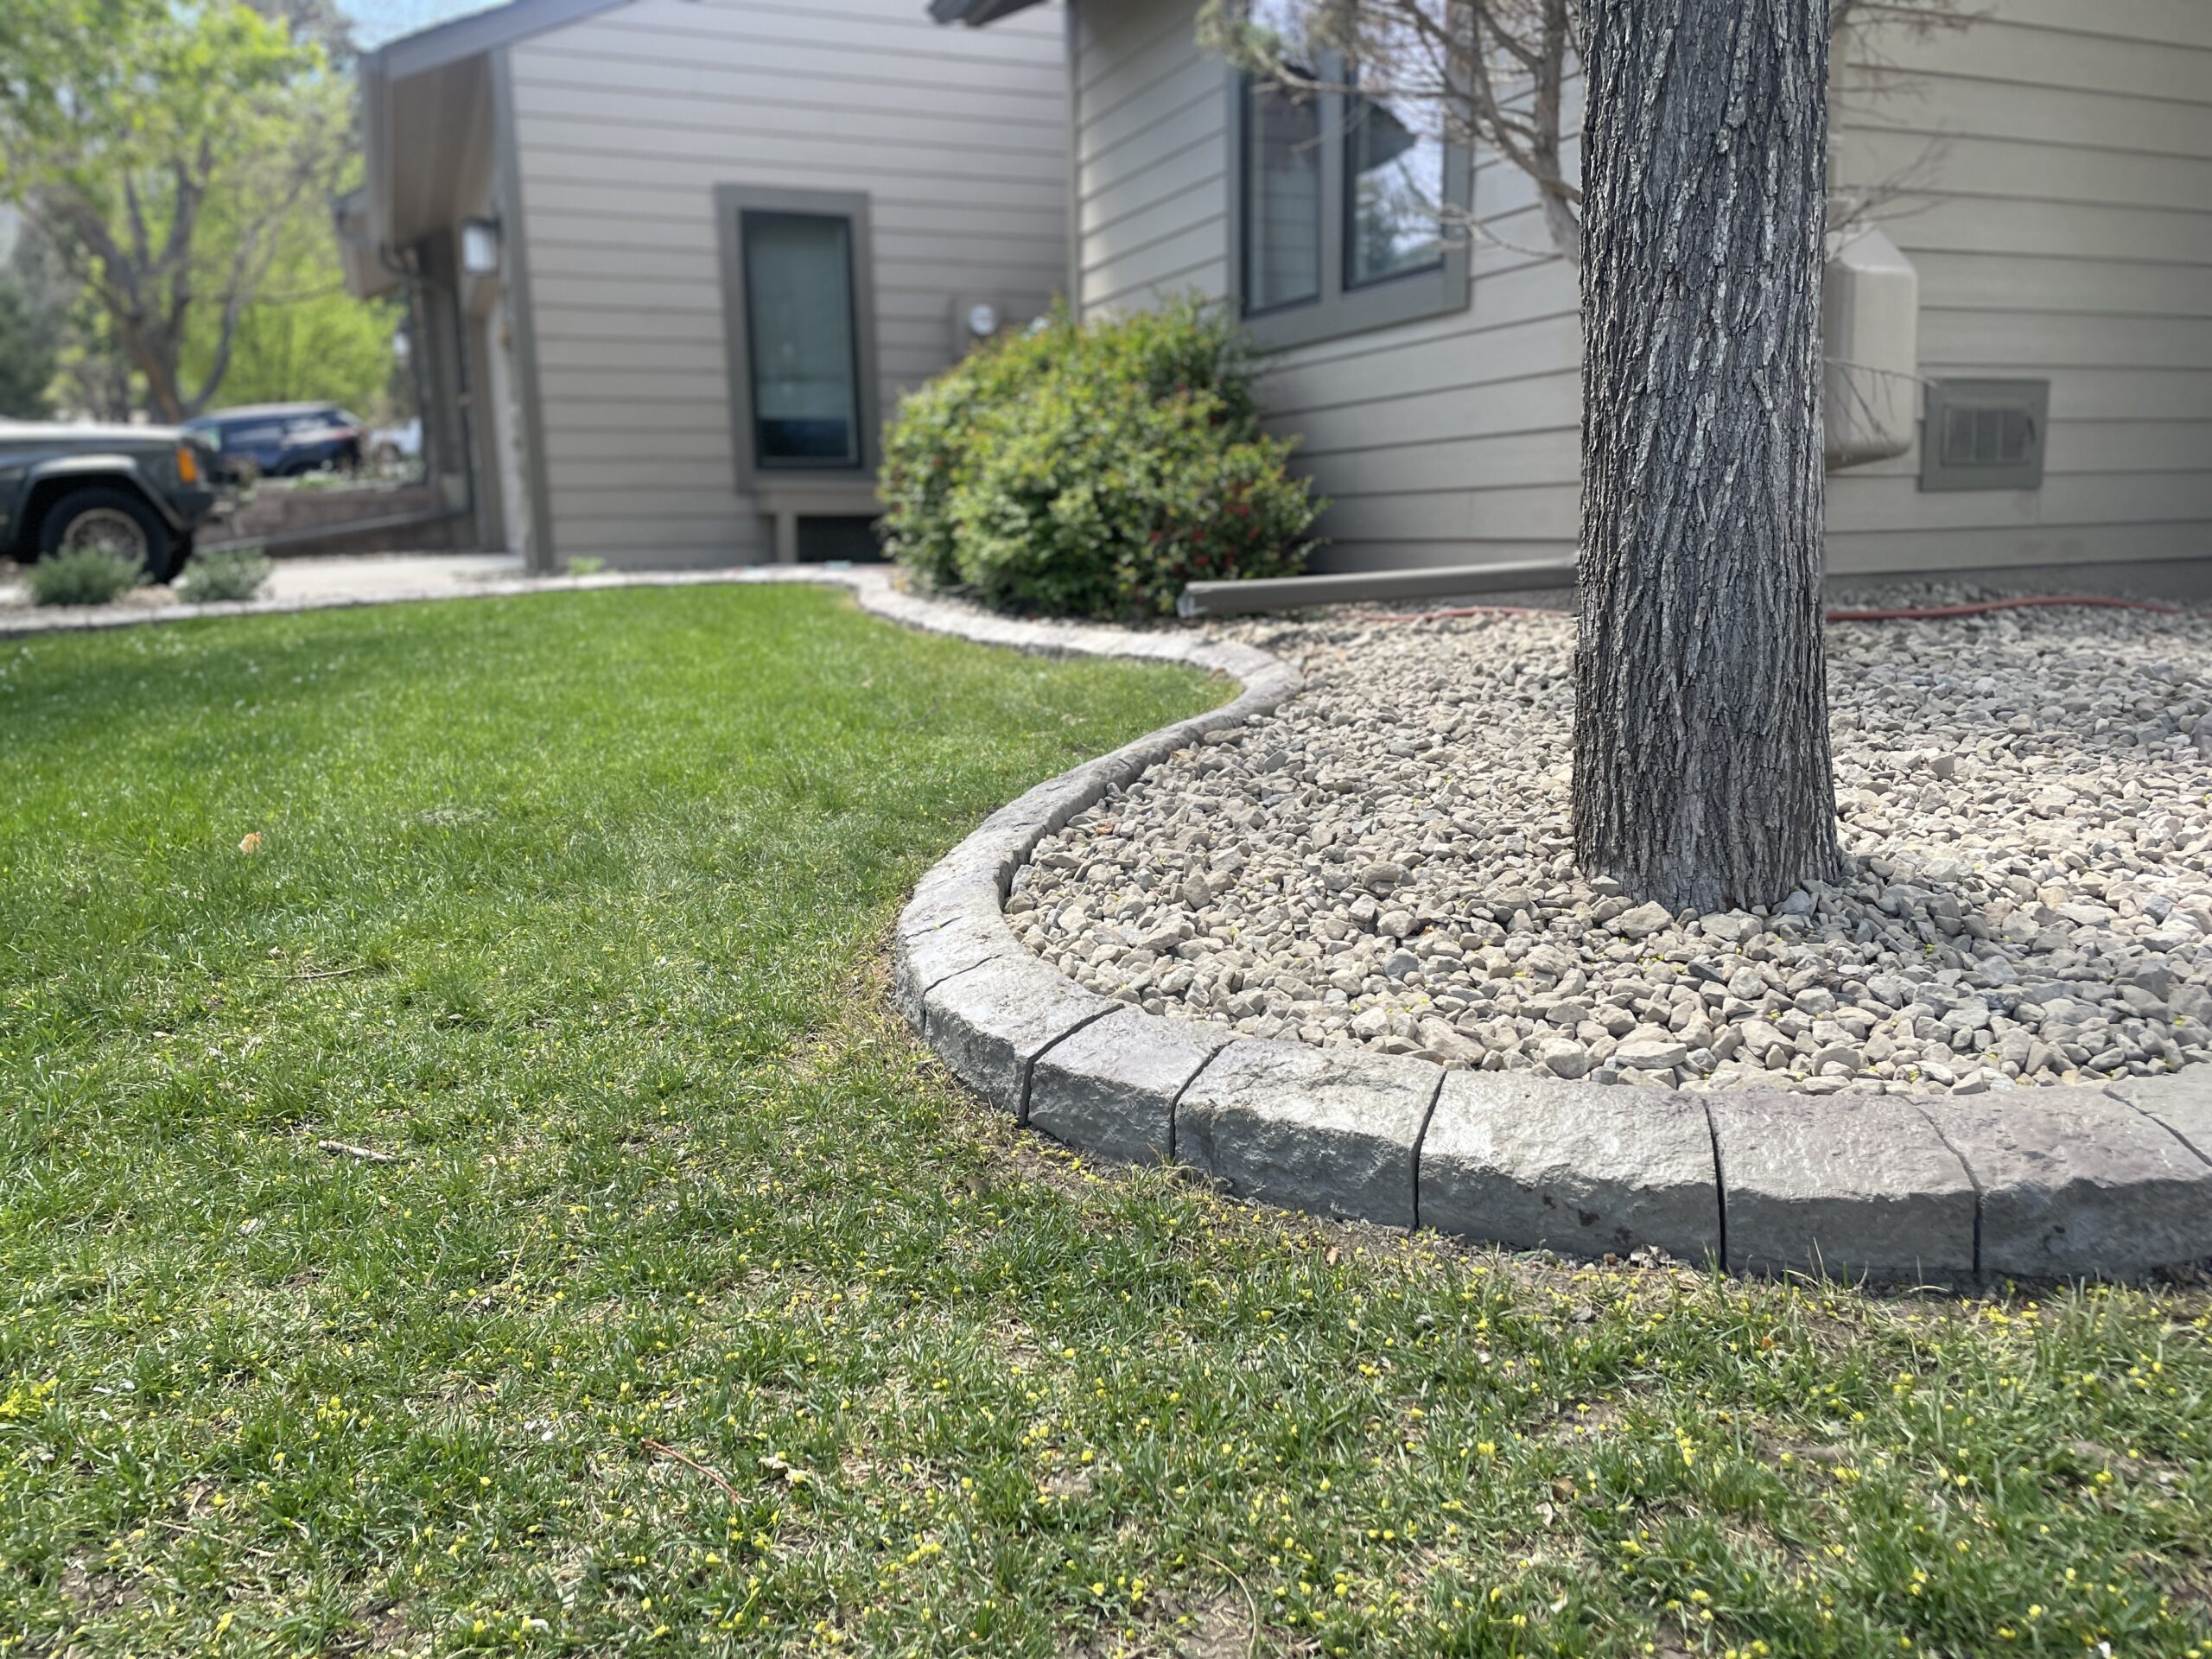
<point x="1926" y="613"/>
<point x="1469" y="610"/>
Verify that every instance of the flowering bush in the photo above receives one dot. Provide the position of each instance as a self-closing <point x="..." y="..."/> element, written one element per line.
<point x="1093" y="471"/>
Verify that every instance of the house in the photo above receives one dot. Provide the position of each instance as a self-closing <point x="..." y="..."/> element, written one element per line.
<point x="671" y="261"/>
<point x="2052" y="242"/>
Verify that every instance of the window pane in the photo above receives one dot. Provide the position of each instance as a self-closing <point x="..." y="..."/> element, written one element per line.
<point x="799" y="299"/>
<point x="1394" y="185"/>
<point x="1282" y="198"/>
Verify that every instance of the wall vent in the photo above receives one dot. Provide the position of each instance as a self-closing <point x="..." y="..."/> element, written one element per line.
<point x="1984" y="435"/>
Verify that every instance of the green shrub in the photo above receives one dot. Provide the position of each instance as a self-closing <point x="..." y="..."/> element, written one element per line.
<point x="85" y="577"/>
<point x="229" y="573"/>
<point x="1094" y="471"/>
<point x="586" y="565"/>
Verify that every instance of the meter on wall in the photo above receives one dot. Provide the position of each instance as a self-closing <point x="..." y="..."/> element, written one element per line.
<point x="978" y="317"/>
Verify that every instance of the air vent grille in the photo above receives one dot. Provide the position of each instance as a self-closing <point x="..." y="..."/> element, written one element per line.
<point x="1984" y="435"/>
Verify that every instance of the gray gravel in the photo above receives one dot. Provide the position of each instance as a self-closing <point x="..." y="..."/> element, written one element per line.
<point x="1385" y="861"/>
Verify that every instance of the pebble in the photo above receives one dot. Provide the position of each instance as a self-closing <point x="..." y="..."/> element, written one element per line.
<point x="1386" y="861"/>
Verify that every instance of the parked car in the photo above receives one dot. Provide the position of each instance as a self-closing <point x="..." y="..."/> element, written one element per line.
<point x="390" y="444"/>
<point x="279" y="440"/>
<point x="137" y="492"/>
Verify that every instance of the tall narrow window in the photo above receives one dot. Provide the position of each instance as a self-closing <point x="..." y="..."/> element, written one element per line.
<point x="1394" y="188"/>
<point x="798" y="293"/>
<point x="1282" y="197"/>
<point x="1344" y="197"/>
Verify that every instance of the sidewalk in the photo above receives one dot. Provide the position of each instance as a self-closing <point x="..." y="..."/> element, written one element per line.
<point x="294" y="585"/>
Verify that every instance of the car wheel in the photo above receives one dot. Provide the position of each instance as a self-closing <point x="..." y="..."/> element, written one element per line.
<point x="114" y="522"/>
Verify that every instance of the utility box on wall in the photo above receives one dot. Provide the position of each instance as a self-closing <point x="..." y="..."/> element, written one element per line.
<point x="1869" y="332"/>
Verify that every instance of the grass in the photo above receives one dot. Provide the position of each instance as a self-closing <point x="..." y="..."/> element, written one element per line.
<point x="696" y="1311"/>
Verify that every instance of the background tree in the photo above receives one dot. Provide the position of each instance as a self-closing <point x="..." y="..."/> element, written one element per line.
<point x="163" y="150"/>
<point x="29" y="326"/>
<point x="302" y="337"/>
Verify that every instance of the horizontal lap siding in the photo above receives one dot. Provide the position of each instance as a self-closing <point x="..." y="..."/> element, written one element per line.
<point x="626" y="121"/>
<point x="1455" y="440"/>
<point x="2060" y="158"/>
<point x="2053" y="164"/>
<point x="1151" y="156"/>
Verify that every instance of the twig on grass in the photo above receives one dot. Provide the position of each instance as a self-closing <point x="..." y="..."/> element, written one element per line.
<point x="1251" y="1603"/>
<point x="693" y="1463"/>
<point x="366" y="1155"/>
<point x="317" y="973"/>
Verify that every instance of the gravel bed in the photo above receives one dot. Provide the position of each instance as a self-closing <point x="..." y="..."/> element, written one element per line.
<point x="1386" y="861"/>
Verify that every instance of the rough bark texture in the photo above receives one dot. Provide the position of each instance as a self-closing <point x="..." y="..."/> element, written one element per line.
<point x="1701" y="768"/>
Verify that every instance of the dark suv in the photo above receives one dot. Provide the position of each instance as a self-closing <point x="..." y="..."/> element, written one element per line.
<point x="279" y="440"/>
<point x="137" y="492"/>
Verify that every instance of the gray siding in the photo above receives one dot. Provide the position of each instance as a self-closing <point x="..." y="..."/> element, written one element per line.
<point x="1152" y="123"/>
<point x="626" y="123"/>
<point x="2060" y="215"/>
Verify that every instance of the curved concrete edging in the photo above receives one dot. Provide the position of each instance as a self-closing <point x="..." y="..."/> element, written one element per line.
<point x="2044" y="1184"/>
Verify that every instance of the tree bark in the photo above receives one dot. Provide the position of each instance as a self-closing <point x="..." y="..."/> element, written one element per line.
<point x="1701" y="762"/>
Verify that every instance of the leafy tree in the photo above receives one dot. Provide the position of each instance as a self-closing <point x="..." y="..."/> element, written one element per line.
<point x="163" y="149"/>
<point x="303" y="336"/>
<point x="29" y="324"/>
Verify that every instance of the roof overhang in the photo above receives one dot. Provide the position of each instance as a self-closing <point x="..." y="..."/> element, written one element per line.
<point x="425" y="104"/>
<point x="976" y="13"/>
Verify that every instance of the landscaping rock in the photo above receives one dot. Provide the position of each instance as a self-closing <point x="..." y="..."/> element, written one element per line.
<point x="1111" y="1086"/>
<point x="1844" y="1185"/>
<point x="1396" y="838"/>
<point x="1532" y="1163"/>
<point x="1330" y="1130"/>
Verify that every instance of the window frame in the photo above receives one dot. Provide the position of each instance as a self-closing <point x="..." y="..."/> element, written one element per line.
<point x="732" y="203"/>
<point x="1341" y="309"/>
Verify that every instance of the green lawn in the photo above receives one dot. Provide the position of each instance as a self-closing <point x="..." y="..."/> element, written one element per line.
<point x="698" y="1310"/>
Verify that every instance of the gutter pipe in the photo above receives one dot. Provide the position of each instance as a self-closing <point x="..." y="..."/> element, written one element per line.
<point x="1288" y="592"/>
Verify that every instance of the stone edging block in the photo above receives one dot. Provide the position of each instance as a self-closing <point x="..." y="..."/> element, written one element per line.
<point x="1335" y="1130"/>
<point x="1532" y="1162"/>
<point x="991" y="1021"/>
<point x="2183" y="1104"/>
<point x="2042" y="1183"/>
<point x="1846" y="1185"/>
<point x="2077" y="1185"/>
<point x="1112" y="1087"/>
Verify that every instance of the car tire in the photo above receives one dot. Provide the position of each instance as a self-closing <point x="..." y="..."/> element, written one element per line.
<point x="118" y="521"/>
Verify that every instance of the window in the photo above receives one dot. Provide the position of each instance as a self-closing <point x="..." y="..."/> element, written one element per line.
<point x="1282" y="198"/>
<point x="798" y="312"/>
<point x="1336" y="203"/>
<point x="1393" y="181"/>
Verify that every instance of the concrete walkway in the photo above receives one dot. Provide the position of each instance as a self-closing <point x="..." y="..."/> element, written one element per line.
<point x="308" y="584"/>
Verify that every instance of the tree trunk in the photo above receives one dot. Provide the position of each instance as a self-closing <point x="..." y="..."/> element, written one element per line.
<point x="1701" y="767"/>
